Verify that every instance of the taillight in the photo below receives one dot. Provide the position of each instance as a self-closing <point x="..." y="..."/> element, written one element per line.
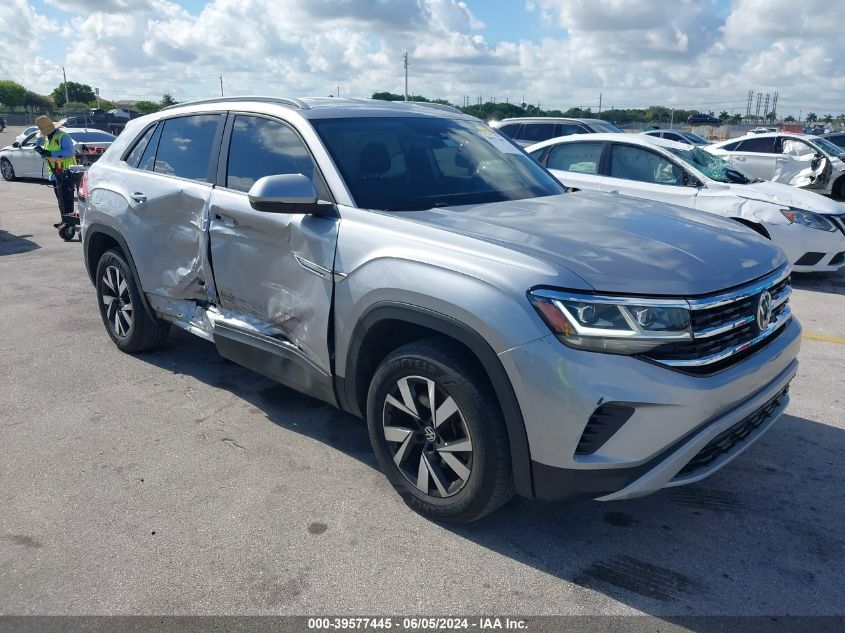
<point x="84" y="188"/>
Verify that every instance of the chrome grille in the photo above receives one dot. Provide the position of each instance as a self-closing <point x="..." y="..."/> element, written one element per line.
<point x="725" y="326"/>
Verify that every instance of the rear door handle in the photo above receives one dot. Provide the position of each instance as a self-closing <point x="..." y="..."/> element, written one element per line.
<point x="137" y="196"/>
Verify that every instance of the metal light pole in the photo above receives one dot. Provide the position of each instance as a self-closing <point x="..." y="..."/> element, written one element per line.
<point x="406" y="75"/>
<point x="64" y="76"/>
<point x="221" y="85"/>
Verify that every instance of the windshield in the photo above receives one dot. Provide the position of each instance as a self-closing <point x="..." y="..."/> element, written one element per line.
<point x="603" y="126"/>
<point x="413" y="163"/>
<point x="826" y="146"/>
<point x="92" y="137"/>
<point x="711" y="166"/>
<point x="695" y="138"/>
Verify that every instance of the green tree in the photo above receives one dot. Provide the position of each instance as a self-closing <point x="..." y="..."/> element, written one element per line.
<point x="724" y="116"/>
<point x="80" y="93"/>
<point x="812" y="117"/>
<point x="789" y="119"/>
<point x="12" y="94"/>
<point x="736" y="119"/>
<point x="167" y="100"/>
<point x="74" y="107"/>
<point x="34" y="101"/>
<point x="147" y="106"/>
<point x="828" y="118"/>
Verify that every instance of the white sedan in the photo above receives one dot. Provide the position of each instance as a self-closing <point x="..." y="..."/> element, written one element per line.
<point x="20" y="137"/>
<point x="20" y="160"/>
<point x="809" y="228"/>
<point x="800" y="160"/>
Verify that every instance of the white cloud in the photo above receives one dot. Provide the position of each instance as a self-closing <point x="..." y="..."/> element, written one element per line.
<point x="634" y="53"/>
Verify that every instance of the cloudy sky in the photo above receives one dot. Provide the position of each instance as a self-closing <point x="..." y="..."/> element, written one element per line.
<point x="704" y="54"/>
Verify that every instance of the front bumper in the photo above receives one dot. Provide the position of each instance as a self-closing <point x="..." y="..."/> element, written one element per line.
<point x="810" y="250"/>
<point x="676" y="415"/>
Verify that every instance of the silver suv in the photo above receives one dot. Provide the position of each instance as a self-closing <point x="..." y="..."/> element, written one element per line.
<point x="413" y="267"/>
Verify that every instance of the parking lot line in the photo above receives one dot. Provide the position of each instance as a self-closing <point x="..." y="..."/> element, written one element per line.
<point x="29" y="199"/>
<point x="823" y="337"/>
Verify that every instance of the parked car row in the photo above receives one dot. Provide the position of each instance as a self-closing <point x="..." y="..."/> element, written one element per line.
<point x="20" y="160"/>
<point x="412" y="266"/>
<point x="808" y="227"/>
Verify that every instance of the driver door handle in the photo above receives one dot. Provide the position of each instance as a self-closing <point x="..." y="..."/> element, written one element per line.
<point x="139" y="197"/>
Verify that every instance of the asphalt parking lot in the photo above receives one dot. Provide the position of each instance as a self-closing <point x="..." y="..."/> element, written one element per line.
<point x="176" y="482"/>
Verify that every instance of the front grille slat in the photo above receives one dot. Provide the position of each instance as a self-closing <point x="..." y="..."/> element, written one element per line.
<point x="725" y="327"/>
<point x="728" y="439"/>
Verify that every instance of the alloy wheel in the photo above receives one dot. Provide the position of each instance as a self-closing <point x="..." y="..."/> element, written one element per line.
<point x="428" y="437"/>
<point x="118" y="301"/>
<point x="6" y="170"/>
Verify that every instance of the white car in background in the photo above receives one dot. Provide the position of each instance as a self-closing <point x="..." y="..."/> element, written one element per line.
<point x="800" y="160"/>
<point x="20" y="160"/>
<point x="809" y="228"/>
<point x="20" y="137"/>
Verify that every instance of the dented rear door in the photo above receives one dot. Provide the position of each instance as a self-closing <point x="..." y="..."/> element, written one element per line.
<point x="167" y="214"/>
<point x="273" y="271"/>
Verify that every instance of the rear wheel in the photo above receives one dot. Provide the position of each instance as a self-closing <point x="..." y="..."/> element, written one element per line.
<point x="6" y="169"/>
<point x="438" y="433"/>
<point x="126" y="320"/>
<point x="67" y="232"/>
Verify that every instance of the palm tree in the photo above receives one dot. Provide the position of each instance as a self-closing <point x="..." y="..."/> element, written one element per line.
<point x="812" y="117"/>
<point x="828" y="118"/>
<point x="724" y="116"/>
<point x="789" y="119"/>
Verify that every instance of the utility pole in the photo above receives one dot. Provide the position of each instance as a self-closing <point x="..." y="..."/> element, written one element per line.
<point x="672" y="119"/>
<point x="338" y="91"/>
<point x="406" y="75"/>
<point x="97" y="92"/>
<point x="67" y="99"/>
<point x="221" y="85"/>
<point x="599" y="114"/>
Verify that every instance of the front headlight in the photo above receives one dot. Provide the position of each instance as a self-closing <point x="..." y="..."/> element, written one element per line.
<point x="615" y="325"/>
<point x="808" y="218"/>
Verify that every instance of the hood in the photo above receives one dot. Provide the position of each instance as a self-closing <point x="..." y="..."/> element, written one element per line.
<point x="783" y="195"/>
<point x="618" y="244"/>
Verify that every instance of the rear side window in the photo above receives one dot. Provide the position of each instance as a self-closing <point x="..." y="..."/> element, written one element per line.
<point x="581" y="158"/>
<point x="264" y="147"/>
<point x="538" y="131"/>
<point x="185" y="146"/>
<point x="133" y="159"/>
<point x="764" y="145"/>
<point x="634" y="163"/>
<point x="565" y="129"/>
<point x="671" y="136"/>
<point x="92" y="137"/>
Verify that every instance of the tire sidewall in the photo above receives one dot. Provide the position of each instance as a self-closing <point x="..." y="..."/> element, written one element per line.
<point x="473" y="497"/>
<point x="11" y="168"/>
<point x="112" y="258"/>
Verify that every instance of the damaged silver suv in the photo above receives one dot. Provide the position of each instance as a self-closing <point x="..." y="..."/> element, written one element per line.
<point x="410" y="265"/>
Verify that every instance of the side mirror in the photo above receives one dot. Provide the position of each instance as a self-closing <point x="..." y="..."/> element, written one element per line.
<point x="16" y="144"/>
<point x="287" y="193"/>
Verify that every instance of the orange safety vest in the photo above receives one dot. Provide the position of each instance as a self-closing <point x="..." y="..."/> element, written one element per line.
<point x="54" y="144"/>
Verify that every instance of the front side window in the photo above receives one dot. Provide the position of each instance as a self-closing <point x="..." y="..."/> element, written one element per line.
<point x="671" y="136"/>
<point x="634" y="163"/>
<point x="509" y="129"/>
<point x="581" y="158"/>
<point x="796" y="148"/>
<point x="92" y="137"/>
<point x="185" y="146"/>
<point x="264" y="147"/>
<point x="604" y="126"/>
<point x="567" y="129"/>
<point x="411" y="163"/>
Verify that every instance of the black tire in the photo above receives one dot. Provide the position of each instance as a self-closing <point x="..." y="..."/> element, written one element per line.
<point x="839" y="189"/>
<point x="6" y="170"/>
<point x="67" y="232"/>
<point x="132" y="330"/>
<point x="449" y="496"/>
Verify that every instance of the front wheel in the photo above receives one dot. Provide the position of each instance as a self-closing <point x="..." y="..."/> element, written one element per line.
<point x="438" y="433"/>
<point x="6" y="170"/>
<point x="119" y="297"/>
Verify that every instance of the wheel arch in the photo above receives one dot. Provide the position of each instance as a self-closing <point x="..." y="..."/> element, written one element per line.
<point x="388" y="325"/>
<point x="97" y="239"/>
<point x="754" y="226"/>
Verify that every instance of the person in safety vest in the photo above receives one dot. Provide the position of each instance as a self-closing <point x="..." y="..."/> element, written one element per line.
<point x="56" y="148"/>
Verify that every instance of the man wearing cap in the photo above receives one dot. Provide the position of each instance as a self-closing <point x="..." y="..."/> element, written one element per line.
<point x="56" y="148"/>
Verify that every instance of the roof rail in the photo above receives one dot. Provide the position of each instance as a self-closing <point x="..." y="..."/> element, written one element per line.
<point x="296" y="103"/>
<point x="436" y="106"/>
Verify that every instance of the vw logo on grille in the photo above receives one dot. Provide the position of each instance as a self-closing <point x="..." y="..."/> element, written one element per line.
<point x="764" y="310"/>
<point x="430" y="435"/>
